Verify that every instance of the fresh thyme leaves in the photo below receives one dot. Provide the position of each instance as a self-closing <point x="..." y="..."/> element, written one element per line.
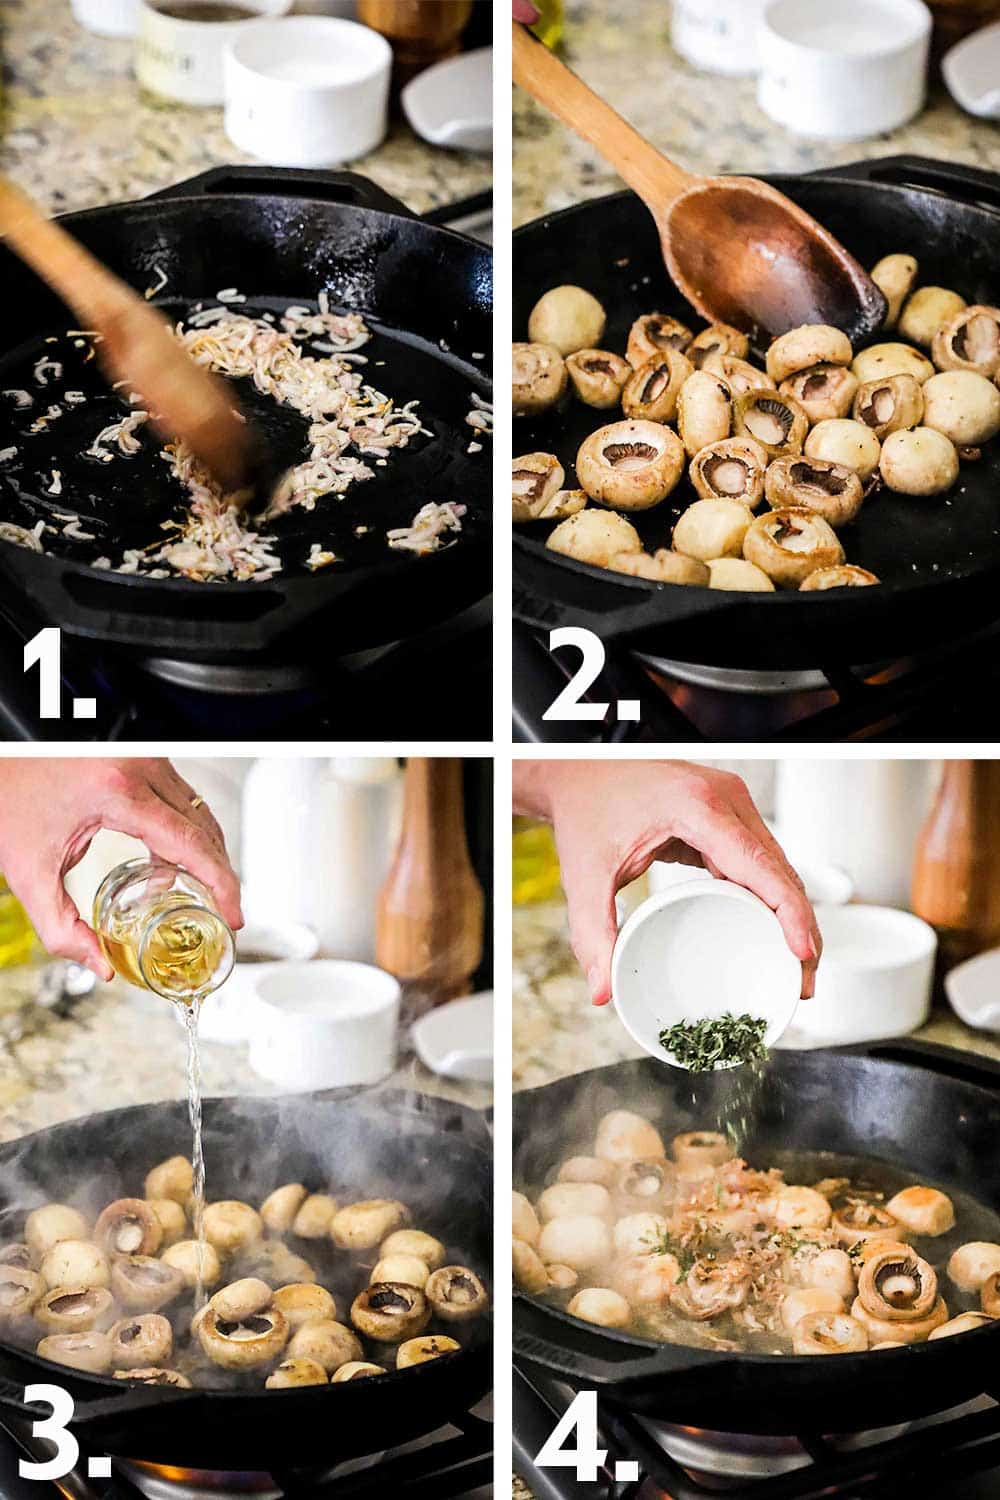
<point x="701" y="1046"/>
<point x="665" y="1244"/>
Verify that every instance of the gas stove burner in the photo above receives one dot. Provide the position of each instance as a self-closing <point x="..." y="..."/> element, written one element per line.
<point x="164" y="1482"/>
<point x="735" y="1455"/>
<point x="230" y="681"/>
<point x="737" y="679"/>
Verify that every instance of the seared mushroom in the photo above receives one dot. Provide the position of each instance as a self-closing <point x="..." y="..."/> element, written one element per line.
<point x="973" y="1264"/>
<point x="419" y="1350"/>
<point x="90" y="1352"/>
<point x="892" y="403"/>
<point x="647" y="1280"/>
<point x="538" y="378"/>
<point x="329" y="1343"/>
<point x="18" y="1254"/>
<point x="828" y="1333"/>
<point x="830" y="490"/>
<point x="581" y="1241"/>
<point x="639" y="1234"/>
<point x="302" y="1302"/>
<point x="926" y="310"/>
<point x="739" y="374"/>
<point x="712" y="528"/>
<point x="923" y="1210"/>
<point x="969" y="341"/>
<point x="651" y="334"/>
<point x="279" y="1208"/>
<point x="154" y="1376"/>
<point x="230" y="1226"/>
<point x="355" y="1369"/>
<point x="717" y="339"/>
<point x="919" y="462"/>
<point x="524" y="1220"/>
<point x="790" y="544"/>
<point x="273" y="1262"/>
<point x="857" y="1222"/>
<point x="623" y="1136"/>
<point x="173" y="1178"/>
<point x="829" y="1269"/>
<point x="806" y="1301"/>
<point x="314" y="1217"/>
<point x="630" y="465"/>
<point x="599" y="1304"/>
<point x="246" y="1344"/>
<point x="913" y="1332"/>
<point x="894" y="275"/>
<point x="823" y="392"/>
<point x="295" y="1372"/>
<point x="364" y="1225"/>
<point x="777" y="422"/>
<point x="660" y="566"/>
<point x="568" y="318"/>
<point x="732" y="469"/>
<point x="705" y="411"/>
<point x="76" y="1263"/>
<point x="456" y="1294"/>
<point x="241" y="1299"/>
<point x="45" y="1227"/>
<point x="710" y="1288"/>
<point x="801" y="1208"/>
<point x="391" y="1311"/>
<point x="145" y="1340"/>
<point x="20" y="1289"/>
<point x="700" y="1149"/>
<point x="598" y="377"/>
<point x="129" y="1227"/>
<point x="801" y="348"/>
<point x="897" y="1287"/>
<point x="75" y="1309"/>
<point x="406" y="1268"/>
<point x="561" y="1278"/>
<point x="966" y="1322"/>
<point x="989" y="1295"/>
<point x="843" y="441"/>
<point x="416" y="1242"/>
<point x="193" y="1260"/>
<point x="142" y="1284"/>
<point x="847" y="576"/>
<point x="650" y="394"/>
<point x="528" y="1267"/>
<point x="173" y="1219"/>
<point x="574" y="1198"/>
<point x="644" y="1184"/>
<point x="583" y="1169"/>
<point x="882" y="360"/>
<point x="536" y="482"/>
<point x="738" y="576"/>
<point x="594" y="537"/>
<point x="964" y="406"/>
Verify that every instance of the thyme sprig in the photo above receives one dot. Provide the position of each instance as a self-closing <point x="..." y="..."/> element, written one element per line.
<point x="703" y="1045"/>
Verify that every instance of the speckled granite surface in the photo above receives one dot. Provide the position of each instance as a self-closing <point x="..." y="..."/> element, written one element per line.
<point x="77" y="132"/>
<point x="708" y="124"/>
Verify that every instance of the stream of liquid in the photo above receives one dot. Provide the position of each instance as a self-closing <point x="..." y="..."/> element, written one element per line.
<point x="191" y="1014"/>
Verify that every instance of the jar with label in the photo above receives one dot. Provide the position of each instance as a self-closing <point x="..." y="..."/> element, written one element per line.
<point x="159" y="929"/>
<point x="719" y="36"/>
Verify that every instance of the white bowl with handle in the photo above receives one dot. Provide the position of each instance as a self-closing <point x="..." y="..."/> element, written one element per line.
<point x="696" y="951"/>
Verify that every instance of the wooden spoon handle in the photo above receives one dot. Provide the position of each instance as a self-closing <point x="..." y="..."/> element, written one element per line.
<point x="656" y="179"/>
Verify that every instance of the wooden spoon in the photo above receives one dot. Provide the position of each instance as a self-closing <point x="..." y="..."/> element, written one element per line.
<point x="186" y="402"/>
<point x="740" y="251"/>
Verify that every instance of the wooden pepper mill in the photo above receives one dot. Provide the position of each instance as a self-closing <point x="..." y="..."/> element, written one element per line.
<point x="429" y="931"/>
<point x="956" y="870"/>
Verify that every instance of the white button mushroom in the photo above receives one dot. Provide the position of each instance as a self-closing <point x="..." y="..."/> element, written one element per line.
<point x="584" y="1169"/>
<point x="76" y="1263"/>
<point x="327" y="1342"/>
<point x="823" y="392"/>
<point x="894" y="276"/>
<point x="712" y="528"/>
<point x="970" y="341"/>
<point x="890" y="404"/>
<point x="623" y="1136"/>
<point x="362" y="1226"/>
<point x="651" y="392"/>
<point x="738" y="576"/>
<point x="568" y="318"/>
<point x="599" y="1304"/>
<point x="842" y="441"/>
<point x="800" y="1302"/>
<point x="594" y="536"/>
<point x="535" y="480"/>
<point x="801" y="1208"/>
<point x="173" y="1178"/>
<point x="313" y="1218"/>
<point x="304" y="1302"/>
<point x="846" y="576"/>
<point x="831" y="490"/>
<point x="828" y="1333"/>
<point x="191" y="1257"/>
<point x="280" y="1207"/>
<point x="418" y="1242"/>
<point x="732" y="469"/>
<point x="524" y="1220"/>
<point x="45" y="1227"/>
<point x="230" y="1225"/>
<point x="564" y="1198"/>
<point x="923" y="1210"/>
<point x="964" y="406"/>
<point x="528" y="1267"/>
<point x="428" y="1346"/>
<point x="538" y="378"/>
<point x="778" y="423"/>
<point x="639" y="1234"/>
<point x="716" y="341"/>
<point x="790" y="544"/>
<point x="598" y="377"/>
<point x="704" y="411"/>
<point x="409" y="1269"/>
<point x="652" y="333"/>
<point x="919" y="462"/>
<point x="882" y="360"/>
<point x="581" y="1241"/>
<point x="739" y="374"/>
<point x="926" y="310"/>
<point x="972" y="1264"/>
<point x="810" y="344"/>
<point x="660" y="566"/>
<point x="630" y="465"/>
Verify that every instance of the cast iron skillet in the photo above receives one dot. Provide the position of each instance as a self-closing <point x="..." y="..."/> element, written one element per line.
<point x="433" y="1154"/>
<point x="279" y="237"/>
<point x="939" y="559"/>
<point x="928" y="1111"/>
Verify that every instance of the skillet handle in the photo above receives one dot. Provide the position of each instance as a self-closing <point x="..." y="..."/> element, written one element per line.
<point x="586" y="1360"/>
<point x="971" y="184"/>
<point x="950" y="1062"/>
<point x="349" y="188"/>
<point x="627" y="611"/>
<point x="134" y="1398"/>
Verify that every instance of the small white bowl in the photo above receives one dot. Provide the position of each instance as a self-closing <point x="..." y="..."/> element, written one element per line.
<point x="181" y="59"/>
<point x="225" y="1014"/>
<point x="874" y="979"/>
<point x="697" y="950"/>
<point x="456" y="1039"/>
<point x="846" y="70"/>
<point x="307" y="91"/>
<point x="973" y="990"/>
<point x="824" y="883"/>
<point x="326" y="1024"/>
<point x="451" y="103"/>
<point x="108" y="17"/>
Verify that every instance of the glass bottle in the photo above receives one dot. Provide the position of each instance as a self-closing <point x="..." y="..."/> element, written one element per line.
<point x="159" y="929"/>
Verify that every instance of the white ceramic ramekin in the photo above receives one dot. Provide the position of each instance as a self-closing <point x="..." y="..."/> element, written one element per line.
<point x="325" y="1024"/>
<point x="697" y="950"/>
<point x="181" y="59"/>
<point x="307" y="91"/>
<point x="108" y="17"/>
<point x="874" y="979"/>
<point x="719" y="36"/>
<point x="225" y="1015"/>
<point x="845" y="70"/>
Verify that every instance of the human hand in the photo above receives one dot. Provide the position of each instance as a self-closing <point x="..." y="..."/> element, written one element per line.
<point x="611" y="819"/>
<point x="524" y="11"/>
<point x="52" y="810"/>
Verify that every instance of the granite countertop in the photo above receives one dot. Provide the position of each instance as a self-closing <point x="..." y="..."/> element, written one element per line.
<point x="707" y="123"/>
<point x="77" y="132"/>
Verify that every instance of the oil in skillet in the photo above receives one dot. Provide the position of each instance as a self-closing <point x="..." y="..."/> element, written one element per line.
<point x="204" y="10"/>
